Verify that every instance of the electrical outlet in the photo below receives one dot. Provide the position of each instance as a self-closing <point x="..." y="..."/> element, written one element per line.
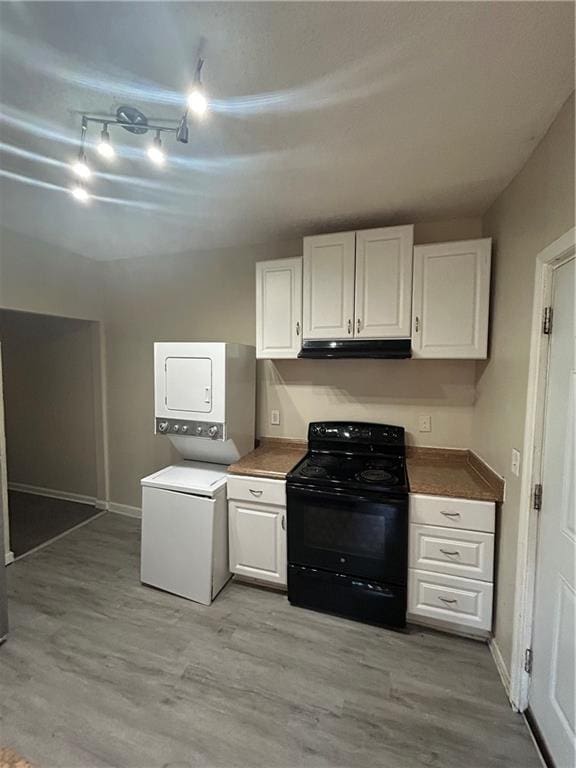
<point x="515" y="463"/>
<point x="275" y="418"/>
<point x="424" y="423"/>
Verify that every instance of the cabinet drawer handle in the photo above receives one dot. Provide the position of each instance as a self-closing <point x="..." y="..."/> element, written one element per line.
<point x="450" y="514"/>
<point x="283" y="523"/>
<point x="448" y="600"/>
<point x="254" y="492"/>
<point x="450" y="554"/>
<point x="349" y="326"/>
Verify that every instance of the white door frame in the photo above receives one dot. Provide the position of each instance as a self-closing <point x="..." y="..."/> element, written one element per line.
<point x="552" y="256"/>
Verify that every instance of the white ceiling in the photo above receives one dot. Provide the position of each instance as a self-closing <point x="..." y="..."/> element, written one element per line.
<point x="325" y="115"/>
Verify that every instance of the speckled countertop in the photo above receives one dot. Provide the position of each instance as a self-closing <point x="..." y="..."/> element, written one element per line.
<point x="433" y="471"/>
<point x="445" y="472"/>
<point x="273" y="458"/>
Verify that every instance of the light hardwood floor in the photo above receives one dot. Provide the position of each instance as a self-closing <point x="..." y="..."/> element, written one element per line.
<point x="101" y="671"/>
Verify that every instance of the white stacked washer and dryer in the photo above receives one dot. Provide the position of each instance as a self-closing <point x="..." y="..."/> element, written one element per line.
<point x="204" y="395"/>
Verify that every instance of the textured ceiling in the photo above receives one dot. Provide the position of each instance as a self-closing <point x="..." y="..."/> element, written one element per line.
<point x="324" y="115"/>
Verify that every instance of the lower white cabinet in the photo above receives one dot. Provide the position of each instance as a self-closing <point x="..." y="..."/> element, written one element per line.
<point x="451" y="563"/>
<point x="257" y="528"/>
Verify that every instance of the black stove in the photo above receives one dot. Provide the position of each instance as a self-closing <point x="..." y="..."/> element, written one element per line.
<point x="348" y="523"/>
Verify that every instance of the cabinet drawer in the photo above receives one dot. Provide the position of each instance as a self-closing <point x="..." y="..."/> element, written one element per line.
<point x="466" y="602"/>
<point x="257" y="489"/>
<point x="469" y="554"/>
<point x="452" y="513"/>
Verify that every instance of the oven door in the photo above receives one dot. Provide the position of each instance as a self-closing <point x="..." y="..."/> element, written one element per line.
<point x="357" y="535"/>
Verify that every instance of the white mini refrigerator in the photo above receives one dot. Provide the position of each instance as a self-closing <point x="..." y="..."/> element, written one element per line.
<point x="185" y="530"/>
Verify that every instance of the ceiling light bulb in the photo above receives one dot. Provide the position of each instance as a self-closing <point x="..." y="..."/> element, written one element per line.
<point x="81" y="167"/>
<point x="155" y="152"/>
<point x="80" y="193"/>
<point x="197" y="102"/>
<point x="105" y="148"/>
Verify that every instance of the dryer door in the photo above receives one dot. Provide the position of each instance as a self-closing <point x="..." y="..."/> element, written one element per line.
<point x="189" y="381"/>
<point x="188" y="384"/>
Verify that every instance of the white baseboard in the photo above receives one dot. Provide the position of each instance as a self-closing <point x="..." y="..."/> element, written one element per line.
<point x="500" y="666"/>
<point x="124" y="509"/>
<point x="52" y="493"/>
<point x="8" y="557"/>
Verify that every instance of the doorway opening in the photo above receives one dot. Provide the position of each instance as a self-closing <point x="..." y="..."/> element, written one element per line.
<point x="53" y="412"/>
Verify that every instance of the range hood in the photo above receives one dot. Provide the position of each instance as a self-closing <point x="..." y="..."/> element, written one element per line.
<point x="377" y="348"/>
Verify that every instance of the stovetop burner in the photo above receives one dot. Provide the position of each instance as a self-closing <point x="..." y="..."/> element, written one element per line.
<point x="313" y="470"/>
<point x="377" y="476"/>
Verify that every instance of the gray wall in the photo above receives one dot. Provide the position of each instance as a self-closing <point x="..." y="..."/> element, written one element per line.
<point x="535" y="209"/>
<point x="49" y="402"/>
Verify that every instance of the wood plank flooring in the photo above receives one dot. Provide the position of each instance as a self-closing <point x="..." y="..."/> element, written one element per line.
<point x="101" y="671"/>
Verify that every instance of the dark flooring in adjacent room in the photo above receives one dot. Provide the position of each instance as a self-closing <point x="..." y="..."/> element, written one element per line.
<point x="37" y="519"/>
<point x="99" y="671"/>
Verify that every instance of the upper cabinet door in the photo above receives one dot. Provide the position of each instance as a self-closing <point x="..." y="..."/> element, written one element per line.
<point x="383" y="283"/>
<point x="279" y="308"/>
<point x="328" y="286"/>
<point x="451" y="299"/>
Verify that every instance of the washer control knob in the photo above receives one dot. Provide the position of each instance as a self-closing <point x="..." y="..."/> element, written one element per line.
<point x="198" y="430"/>
<point x="176" y="428"/>
<point x="163" y="426"/>
<point x="184" y="428"/>
<point x="213" y="431"/>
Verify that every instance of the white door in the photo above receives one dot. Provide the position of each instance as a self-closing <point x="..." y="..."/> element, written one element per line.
<point x="552" y="688"/>
<point x="279" y="308"/>
<point x="177" y="543"/>
<point x="451" y="299"/>
<point x="258" y="541"/>
<point x="384" y="283"/>
<point x="189" y="384"/>
<point x="328" y="286"/>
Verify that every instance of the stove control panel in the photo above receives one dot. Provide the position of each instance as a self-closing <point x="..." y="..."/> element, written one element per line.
<point x="190" y="428"/>
<point x="356" y="432"/>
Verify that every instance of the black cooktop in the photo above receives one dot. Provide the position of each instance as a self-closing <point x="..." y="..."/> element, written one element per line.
<point x="373" y="471"/>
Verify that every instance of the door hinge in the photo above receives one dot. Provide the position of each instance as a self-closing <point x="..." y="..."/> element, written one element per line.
<point x="538" y="497"/>
<point x="528" y="661"/>
<point x="547" y="321"/>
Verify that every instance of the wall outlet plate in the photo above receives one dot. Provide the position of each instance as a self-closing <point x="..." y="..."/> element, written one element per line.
<point x="424" y="423"/>
<point x="275" y="418"/>
<point x="515" y="462"/>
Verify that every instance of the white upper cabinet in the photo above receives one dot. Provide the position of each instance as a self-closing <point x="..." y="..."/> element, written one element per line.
<point x="451" y="299"/>
<point x="279" y="308"/>
<point x="328" y="286"/>
<point x="383" y="294"/>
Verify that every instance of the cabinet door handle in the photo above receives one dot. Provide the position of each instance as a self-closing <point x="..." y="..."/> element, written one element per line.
<point x="450" y="554"/>
<point x="255" y="492"/>
<point x="283" y="523"/>
<point x="358" y="324"/>
<point x="417" y="324"/>
<point x="448" y="600"/>
<point x="298" y="329"/>
<point x="450" y="514"/>
<point x="349" y="326"/>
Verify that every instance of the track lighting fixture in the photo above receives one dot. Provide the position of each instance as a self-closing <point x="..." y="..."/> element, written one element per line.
<point x="105" y="148"/>
<point x="197" y="101"/>
<point x="80" y="193"/>
<point x="81" y="167"/>
<point x="182" y="132"/>
<point x="155" y="152"/>
<point x="134" y="121"/>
